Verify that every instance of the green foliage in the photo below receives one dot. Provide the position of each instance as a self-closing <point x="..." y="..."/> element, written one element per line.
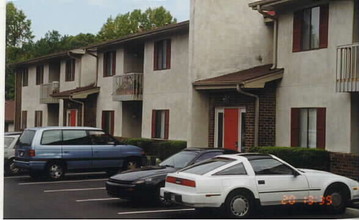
<point x="299" y="157"/>
<point x="18" y="28"/>
<point x="159" y="148"/>
<point x="135" y="21"/>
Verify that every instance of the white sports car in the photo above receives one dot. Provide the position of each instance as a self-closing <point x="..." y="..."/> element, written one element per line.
<point x="240" y="182"/>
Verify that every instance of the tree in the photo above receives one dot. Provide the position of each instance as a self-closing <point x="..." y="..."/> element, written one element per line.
<point x="18" y="33"/>
<point x="18" y="28"/>
<point x="134" y="22"/>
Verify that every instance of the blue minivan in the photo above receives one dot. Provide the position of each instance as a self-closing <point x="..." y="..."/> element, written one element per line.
<point x="52" y="151"/>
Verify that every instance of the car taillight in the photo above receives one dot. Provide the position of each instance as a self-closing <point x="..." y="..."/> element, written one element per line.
<point x="179" y="181"/>
<point x="32" y="153"/>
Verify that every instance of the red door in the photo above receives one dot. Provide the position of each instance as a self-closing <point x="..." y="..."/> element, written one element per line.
<point x="72" y="117"/>
<point x="231" y="122"/>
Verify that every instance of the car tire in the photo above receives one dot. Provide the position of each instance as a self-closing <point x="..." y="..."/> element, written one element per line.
<point x="131" y="163"/>
<point x="55" y="170"/>
<point x="239" y="204"/>
<point x="10" y="168"/>
<point x="338" y="200"/>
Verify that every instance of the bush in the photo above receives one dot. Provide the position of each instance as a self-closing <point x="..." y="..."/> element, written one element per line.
<point x="299" y="157"/>
<point x="158" y="148"/>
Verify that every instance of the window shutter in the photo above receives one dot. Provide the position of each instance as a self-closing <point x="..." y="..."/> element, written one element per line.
<point x="168" y="52"/>
<point x="167" y="123"/>
<point x="324" y="26"/>
<point x="73" y="70"/>
<point x="112" y="131"/>
<point x="297" y="31"/>
<point x="113" y="63"/>
<point x="155" y="56"/>
<point x="321" y="116"/>
<point x="103" y="118"/>
<point x="153" y="125"/>
<point x="104" y="64"/>
<point x="294" y="130"/>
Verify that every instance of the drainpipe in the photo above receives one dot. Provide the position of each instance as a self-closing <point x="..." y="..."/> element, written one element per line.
<point x="275" y="37"/>
<point x="256" y="112"/>
<point x="82" y="109"/>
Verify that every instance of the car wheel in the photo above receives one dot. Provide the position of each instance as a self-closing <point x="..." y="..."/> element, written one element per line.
<point x="131" y="163"/>
<point x="11" y="169"/>
<point x="336" y="200"/>
<point x="239" y="204"/>
<point x="55" y="171"/>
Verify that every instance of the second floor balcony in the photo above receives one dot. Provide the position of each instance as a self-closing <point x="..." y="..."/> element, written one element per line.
<point x="348" y="68"/>
<point x="128" y="87"/>
<point x="46" y="90"/>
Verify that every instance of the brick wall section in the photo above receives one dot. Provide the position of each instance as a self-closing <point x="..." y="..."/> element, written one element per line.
<point x="345" y="164"/>
<point x="267" y="105"/>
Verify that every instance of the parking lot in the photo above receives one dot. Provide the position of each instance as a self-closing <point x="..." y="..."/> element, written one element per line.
<point x="84" y="196"/>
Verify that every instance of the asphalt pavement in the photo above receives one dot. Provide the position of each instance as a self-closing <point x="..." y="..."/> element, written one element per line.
<point x="84" y="196"/>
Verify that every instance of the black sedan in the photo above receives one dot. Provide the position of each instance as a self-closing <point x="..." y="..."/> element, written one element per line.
<point x="145" y="183"/>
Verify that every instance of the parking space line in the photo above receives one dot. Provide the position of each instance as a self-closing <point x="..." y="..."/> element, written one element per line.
<point x="73" y="190"/>
<point x="64" y="181"/>
<point x="154" y="211"/>
<point x="94" y="200"/>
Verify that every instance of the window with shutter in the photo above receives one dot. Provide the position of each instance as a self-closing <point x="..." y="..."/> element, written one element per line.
<point x="108" y="122"/>
<point x="70" y="70"/>
<point x="162" y="55"/>
<point x="160" y="124"/>
<point x="308" y="127"/>
<point x="39" y="74"/>
<point x="310" y="28"/>
<point x="38" y="118"/>
<point x="109" y="64"/>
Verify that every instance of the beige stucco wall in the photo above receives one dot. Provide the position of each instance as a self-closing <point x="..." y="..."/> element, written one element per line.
<point x="310" y="77"/>
<point x="31" y="97"/>
<point x="225" y="37"/>
<point x="88" y="69"/>
<point x="104" y="101"/>
<point x="167" y="89"/>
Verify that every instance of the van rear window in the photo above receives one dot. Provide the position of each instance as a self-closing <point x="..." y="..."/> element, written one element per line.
<point x="26" y="138"/>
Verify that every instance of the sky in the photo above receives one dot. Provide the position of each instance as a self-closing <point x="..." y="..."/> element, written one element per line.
<point x="71" y="17"/>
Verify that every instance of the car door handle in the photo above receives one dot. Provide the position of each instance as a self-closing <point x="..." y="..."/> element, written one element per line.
<point x="261" y="182"/>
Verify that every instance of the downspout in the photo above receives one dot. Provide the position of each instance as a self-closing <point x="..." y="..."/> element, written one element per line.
<point x="256" y="112"/>
<point x="275" y="37"/>
<point x="82" y="109"/>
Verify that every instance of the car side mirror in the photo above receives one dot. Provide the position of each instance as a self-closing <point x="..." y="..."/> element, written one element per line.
<point x="295" y="173"/>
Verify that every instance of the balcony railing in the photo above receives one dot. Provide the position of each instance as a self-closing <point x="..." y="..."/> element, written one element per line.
<point x="128" y="87"/>
<point x="348" y="68"/>
<point x="46" y="90"/>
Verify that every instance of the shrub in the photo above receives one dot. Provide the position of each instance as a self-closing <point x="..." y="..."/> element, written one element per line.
<point x="299" y="157"/>
<point x="158" y="148"/>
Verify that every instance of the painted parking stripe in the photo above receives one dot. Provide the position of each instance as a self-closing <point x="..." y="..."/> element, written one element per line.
<point x="64" y="181"/>
<point x="154" y="211"/>
<point x="94" y="200"/>
<point x="73" y="190"/>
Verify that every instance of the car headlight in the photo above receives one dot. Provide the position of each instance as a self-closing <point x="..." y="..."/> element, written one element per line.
<point x="139" y="182"/>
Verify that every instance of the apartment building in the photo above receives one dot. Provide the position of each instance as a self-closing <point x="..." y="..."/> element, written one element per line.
<point x="131" y="87"/>
<point x="317" y="99"/>
<point x="57" y="89"/>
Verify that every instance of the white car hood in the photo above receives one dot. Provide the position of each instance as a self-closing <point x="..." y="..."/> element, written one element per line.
<point x="310" y="171"/>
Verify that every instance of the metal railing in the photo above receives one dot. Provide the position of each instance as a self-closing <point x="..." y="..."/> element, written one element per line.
<point x="348" y="68"/>
<point x="128" y="87"/>
<point x="46" y="90"/>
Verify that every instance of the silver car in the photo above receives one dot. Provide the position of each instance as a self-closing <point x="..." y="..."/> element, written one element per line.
<point x="10" y="140"/>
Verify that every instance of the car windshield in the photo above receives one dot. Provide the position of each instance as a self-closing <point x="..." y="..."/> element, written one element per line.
<point x="8" y="141"/>
<point x="207" y="166"/>
<point x="179" y="160"/>
<point x="26" y="138"/>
